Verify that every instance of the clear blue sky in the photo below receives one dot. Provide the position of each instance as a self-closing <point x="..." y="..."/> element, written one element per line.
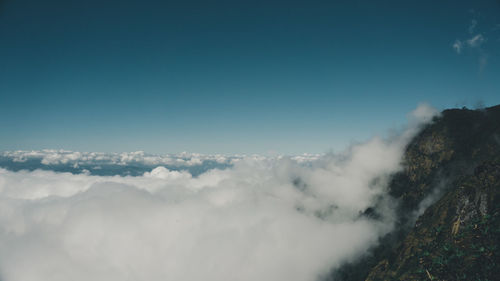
<point x="235" y="76"/>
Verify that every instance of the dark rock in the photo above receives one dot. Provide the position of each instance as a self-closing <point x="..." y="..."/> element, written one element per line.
<point x="455" y="159"/>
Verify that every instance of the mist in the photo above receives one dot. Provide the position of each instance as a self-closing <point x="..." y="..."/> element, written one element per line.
<point x="261" y="218"/>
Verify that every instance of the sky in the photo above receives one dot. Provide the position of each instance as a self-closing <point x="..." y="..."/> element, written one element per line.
<point x="285" y="77"/>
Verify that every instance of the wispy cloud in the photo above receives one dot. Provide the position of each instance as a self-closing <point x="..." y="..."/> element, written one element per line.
<point x="457" y="46"/>
<point x="476" y="41"/>
<point x="473" y="42"/>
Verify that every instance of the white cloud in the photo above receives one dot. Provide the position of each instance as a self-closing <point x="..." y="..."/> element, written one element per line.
<point x="58" y="157"/>
<point x="476" y="41"/>
<point x="422" y="114"/>
<point x="457" y="46"/>
<point x="236" y="224"/>
<point x="262" y="219"/>
<point x="473" y="42"/>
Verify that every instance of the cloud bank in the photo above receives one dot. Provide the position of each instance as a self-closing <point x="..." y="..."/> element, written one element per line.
<point x="55" y="157"/>
<point x="261" y="219"/>
<point x="126" y="163"/>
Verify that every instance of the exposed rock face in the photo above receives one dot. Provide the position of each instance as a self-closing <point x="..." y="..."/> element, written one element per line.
<point x="456" y="238"/>
<point x="449" y="212"/>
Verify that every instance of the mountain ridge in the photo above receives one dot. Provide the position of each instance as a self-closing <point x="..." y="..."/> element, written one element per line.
<point x="448" y="224"/>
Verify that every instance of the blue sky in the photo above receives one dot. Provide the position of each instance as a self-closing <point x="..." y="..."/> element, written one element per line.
<point x="235" y="76"/>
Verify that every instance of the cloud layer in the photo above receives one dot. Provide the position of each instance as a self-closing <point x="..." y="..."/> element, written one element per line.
<point x="126" y="163"/>
<point x="55" y="157"/>
<point x="261" y="219"/>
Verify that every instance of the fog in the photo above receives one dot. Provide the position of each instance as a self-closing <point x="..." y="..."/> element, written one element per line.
<point x="263" y="218"/>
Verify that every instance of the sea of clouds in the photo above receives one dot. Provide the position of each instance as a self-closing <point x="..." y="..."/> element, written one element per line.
<point x="258" y="218"/>
<point x="125" y="163"/>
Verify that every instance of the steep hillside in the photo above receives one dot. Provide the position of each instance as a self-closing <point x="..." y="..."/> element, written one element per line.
<point x="449" y="200"/>
<point x="456" y="238"/>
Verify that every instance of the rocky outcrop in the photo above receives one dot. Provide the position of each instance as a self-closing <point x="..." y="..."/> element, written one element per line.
<point x="456" y="238"/>
<point x="449" y="205"/>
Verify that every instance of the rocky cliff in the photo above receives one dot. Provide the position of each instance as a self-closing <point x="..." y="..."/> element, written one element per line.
<point x="449" y="205"/>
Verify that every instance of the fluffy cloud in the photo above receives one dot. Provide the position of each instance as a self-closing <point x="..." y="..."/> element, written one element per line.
<point x="261" y="219"/>
<point x="126" y="163"/>
<point x="55" y="157"/>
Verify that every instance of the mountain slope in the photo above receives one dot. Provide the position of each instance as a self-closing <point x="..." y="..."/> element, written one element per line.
<point x="452" y="172"/>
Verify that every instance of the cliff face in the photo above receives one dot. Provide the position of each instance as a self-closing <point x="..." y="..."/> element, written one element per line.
<point x="453" y="144"/>
<point x="449" y="205"/>
<point x="456" y="238"/>
<point x="452" y="171"/>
